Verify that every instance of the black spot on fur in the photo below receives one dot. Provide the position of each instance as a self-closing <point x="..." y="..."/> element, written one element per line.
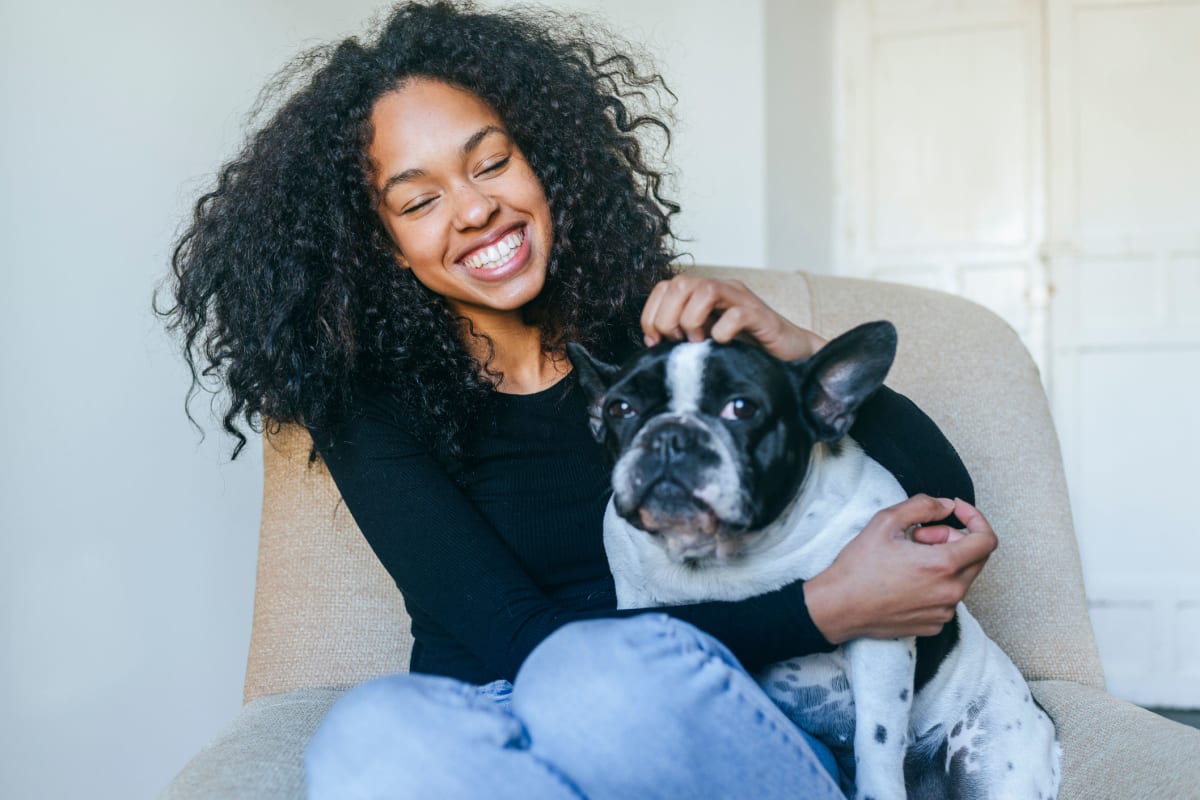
<point x="881" y="734"/>
<point x="840" y="683"/>
<point x="904" y="694"/>
<point x="1010" y="766"/>
<point x="957" y="729"/>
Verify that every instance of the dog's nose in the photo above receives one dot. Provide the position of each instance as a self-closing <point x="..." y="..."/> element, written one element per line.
<point x="671" y="443"/>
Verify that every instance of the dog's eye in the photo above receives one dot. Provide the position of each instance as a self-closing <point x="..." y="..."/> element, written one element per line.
<point x="739" y="408"/>
<point x="619" y="409"/>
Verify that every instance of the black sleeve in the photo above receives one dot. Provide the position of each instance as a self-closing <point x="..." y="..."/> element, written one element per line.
<point x="897" y="434"/>
<point x="450" y="563"/>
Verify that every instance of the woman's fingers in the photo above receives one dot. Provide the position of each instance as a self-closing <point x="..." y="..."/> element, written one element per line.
<point x="651" y="312"/>
<point x="936" y="534"/>
<point x="972" y="551"/>
<point x="983" y="538"/>
<point x="919" y="509"/>
<point x="684" y="308"/>
<point x="692" y="308"/>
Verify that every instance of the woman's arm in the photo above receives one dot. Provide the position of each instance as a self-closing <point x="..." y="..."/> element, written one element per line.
<point x="896" y="433"/>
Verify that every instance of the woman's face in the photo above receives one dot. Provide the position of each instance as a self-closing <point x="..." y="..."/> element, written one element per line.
<point x="466" y="212"/>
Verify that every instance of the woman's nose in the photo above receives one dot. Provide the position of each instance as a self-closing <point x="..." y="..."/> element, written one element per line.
<point x="473" y="208"/>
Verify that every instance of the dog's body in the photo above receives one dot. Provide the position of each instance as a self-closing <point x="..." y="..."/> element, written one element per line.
<point x="702" y="435"/>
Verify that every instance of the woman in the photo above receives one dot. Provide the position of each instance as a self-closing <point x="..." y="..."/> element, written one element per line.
<point x="396" y="260"/>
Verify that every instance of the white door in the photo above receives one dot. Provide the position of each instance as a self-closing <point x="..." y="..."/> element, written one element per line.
<point x="1124" y="247"/>
<point x="1042" y="157"/>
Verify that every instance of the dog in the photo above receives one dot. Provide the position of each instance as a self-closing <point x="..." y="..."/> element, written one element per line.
<point x="733" y="476"/>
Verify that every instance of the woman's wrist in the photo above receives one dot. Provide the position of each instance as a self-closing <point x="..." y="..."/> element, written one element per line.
<point x="825" y="610"/>
<point x="799" y="343"/>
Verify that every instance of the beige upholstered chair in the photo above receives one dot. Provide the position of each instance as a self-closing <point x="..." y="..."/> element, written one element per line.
<point x="327" y="616"/>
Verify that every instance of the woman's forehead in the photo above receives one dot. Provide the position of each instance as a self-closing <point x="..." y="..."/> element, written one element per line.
<point x="424" y="119"/>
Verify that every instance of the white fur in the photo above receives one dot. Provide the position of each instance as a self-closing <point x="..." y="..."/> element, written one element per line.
<point x="840" y="495"/>
<point x="685" y="375"/>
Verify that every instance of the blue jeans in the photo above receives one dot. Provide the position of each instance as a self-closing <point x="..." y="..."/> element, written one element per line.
<point x="645" y="707"/>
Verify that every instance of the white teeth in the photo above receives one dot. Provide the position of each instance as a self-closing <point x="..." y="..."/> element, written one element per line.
<point x="493" y="255"/>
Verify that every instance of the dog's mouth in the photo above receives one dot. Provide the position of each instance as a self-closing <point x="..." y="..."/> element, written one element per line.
<point x="687" y="527"/>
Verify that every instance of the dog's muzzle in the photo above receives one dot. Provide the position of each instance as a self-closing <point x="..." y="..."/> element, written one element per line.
<point x="675" y="482"/>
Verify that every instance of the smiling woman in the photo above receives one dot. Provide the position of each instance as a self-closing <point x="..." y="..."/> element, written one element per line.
<point x="397" y="260"/>
<point x="287" y="285"/>
<point x="459" y="200"/>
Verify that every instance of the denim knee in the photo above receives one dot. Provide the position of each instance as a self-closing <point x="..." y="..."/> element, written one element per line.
<point x="384" y="731"/>
<point x="617" y="646"/>
<point x="619" y="667"/>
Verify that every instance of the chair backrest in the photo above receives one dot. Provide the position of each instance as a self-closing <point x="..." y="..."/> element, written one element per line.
<point x="327" y="614"/>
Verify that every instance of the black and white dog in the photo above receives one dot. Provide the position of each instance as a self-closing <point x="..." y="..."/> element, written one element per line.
<point x="734" y="476"/>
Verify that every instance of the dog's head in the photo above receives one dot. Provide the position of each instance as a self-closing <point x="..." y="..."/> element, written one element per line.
<point x="711" y="442"/>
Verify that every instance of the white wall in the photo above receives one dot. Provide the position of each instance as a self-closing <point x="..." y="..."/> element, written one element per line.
<point x="712" y="54"/>
<point x="128" y="553"/>
<point x="799" y="127"/>
<point x="127" y="547"/>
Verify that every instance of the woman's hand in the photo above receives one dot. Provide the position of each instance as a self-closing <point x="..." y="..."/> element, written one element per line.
<point x="694" y="308"/>
<point x="885" y="584"/>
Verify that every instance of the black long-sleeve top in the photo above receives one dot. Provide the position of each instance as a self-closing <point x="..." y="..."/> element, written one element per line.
<point x="490" y="568"/>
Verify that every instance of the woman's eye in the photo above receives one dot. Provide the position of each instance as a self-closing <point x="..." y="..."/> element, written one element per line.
<point x="739" y="408"/>
<point x="619" y="409"/>
<point x="417" y="206"/>
<point x="494" y="166"/>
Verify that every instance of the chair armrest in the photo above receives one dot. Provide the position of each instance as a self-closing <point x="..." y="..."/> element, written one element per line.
<point x="261" y="755"/>
<point x="1114" y="749"/>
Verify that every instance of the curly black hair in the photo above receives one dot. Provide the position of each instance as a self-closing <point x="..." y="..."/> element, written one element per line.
<point x="286" y="290"/>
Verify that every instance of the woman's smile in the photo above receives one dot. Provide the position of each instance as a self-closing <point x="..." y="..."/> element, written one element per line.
<point x="503" y="254"/>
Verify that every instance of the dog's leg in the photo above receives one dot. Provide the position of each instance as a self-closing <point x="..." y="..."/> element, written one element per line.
<point x="881" y="677"/>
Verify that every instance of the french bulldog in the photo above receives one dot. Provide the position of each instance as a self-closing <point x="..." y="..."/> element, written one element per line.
<point x="733" y="476"/>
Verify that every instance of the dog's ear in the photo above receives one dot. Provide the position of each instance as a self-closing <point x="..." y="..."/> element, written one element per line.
<point x="839" y="378"/>
<point x="595" y="376"/>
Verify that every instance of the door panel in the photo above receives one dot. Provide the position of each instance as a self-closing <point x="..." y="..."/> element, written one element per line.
<point x="1034" y="152"/>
